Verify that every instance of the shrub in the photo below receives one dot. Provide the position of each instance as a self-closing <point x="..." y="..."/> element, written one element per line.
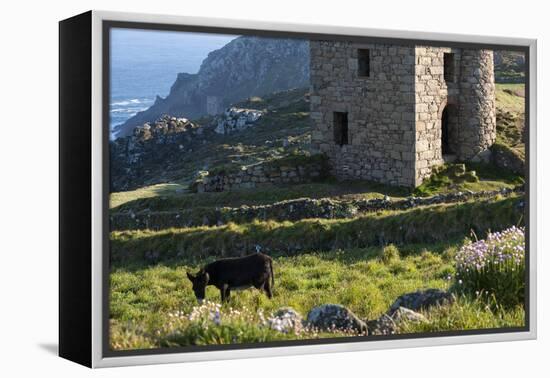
<point x="495" y="266"/>
<point x="389" y="253"/>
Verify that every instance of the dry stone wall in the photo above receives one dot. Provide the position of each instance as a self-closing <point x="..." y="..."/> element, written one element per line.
<point x="263" y="174"/>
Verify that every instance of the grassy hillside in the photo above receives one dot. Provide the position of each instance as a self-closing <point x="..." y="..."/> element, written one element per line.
<point x="511" y="119"/>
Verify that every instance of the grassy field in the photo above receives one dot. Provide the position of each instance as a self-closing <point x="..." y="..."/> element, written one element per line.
<point x="316" y="261"/>
<point x="144" y="301"/>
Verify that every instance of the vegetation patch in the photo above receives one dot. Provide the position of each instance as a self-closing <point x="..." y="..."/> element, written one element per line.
<point x="494" y="266"/>
<point x="511" y="119"/>
<point x="508" y="158"/>
<point x="468" y="177"/>
<point x="509" y="66"/>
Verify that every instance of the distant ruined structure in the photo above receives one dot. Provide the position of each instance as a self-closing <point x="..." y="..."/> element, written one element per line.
<point x="391" y="113"/>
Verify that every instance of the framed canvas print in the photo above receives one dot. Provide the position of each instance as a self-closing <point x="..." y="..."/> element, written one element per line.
<point x="237" y="189"/>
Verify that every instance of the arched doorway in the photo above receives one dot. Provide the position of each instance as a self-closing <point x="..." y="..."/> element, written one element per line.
<point x="449" y="130"/>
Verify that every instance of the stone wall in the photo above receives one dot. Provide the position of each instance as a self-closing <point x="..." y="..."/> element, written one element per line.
<point x="380" y="110"/>
<point x="264" y="174"/>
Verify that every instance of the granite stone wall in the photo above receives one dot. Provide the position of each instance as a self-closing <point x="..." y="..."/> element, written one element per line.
<point x="263" y="174"/>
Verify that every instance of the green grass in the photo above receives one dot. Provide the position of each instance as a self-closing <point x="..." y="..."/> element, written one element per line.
<point x="489" y="177"/>
<point x="511" y="117"/>
<point x="158" y="190"/>
<point x="467" y="314"/>
<point x="361" y="279"/>
<point x="511" y="97"/>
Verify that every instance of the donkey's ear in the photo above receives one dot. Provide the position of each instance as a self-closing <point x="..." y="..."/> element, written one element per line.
<point x="190" y="276"/>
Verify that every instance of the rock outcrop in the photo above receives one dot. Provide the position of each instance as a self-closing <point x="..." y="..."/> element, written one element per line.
<point x="150" y="150"/>
<point x="247" y="66"/>
<point x="330" y="317"/>
<point x="236" y="119"/>
<point x="390" y="323"/>
<point x="422" y="300"/>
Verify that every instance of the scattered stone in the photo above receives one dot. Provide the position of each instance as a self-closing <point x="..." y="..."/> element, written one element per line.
<point x="329" y="317"/>
<point x="403" y="314"/>
<point x="422" y="300"/>
<point x="286" y="320"/>
<point x="384" y="325"/>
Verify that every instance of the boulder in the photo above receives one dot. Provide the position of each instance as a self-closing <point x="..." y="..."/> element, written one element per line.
<point x="384" y="325"/>
<point x="388" y="324"/>
<point x="406" y="315"/>
<point x="286" y="320"/>
<point x="329" y="317"/>
<point x="422" y="299"/>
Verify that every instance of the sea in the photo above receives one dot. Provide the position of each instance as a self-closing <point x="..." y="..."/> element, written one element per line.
<point x="145" y="63"/>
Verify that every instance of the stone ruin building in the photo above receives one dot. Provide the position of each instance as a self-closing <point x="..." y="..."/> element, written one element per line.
<point x="391" y="113"/>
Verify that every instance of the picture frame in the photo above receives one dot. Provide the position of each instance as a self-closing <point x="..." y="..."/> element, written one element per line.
<point x="84" y="259"/>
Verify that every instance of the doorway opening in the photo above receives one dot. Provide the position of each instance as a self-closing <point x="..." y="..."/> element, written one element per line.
<point x="449" y="130"/>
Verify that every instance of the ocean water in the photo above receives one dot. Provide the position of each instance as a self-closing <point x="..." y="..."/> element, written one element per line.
<point x="145" y="64"/>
